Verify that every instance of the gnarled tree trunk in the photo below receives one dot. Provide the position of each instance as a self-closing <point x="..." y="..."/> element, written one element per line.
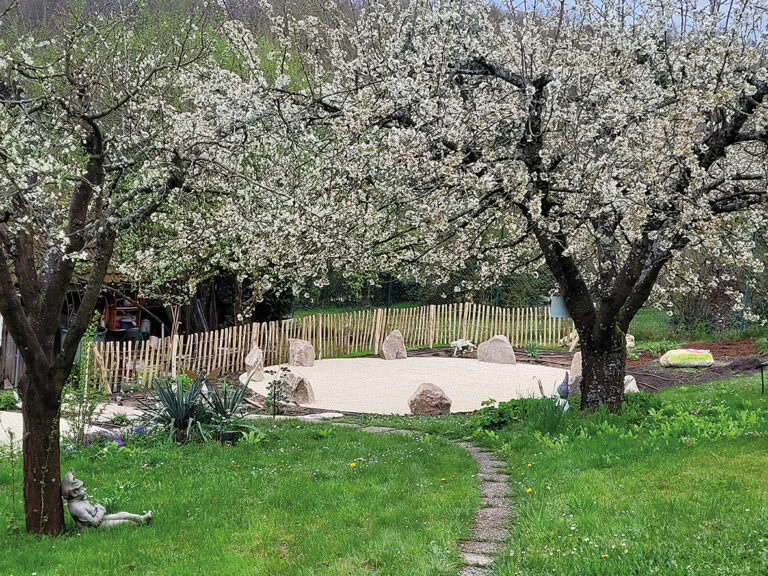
<point x="603" y="366"/>
<point x="44" y="510"/>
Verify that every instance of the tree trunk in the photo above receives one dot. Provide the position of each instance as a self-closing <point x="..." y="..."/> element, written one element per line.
<point x="603" y="366"/>
<point x="42" y="468"/>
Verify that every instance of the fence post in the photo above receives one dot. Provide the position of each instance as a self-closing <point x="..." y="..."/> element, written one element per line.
<point x="432" y="325"/>
<point x="377" y="331"/>
<point x="174" y="348"/>
<point x="319" y="337"/>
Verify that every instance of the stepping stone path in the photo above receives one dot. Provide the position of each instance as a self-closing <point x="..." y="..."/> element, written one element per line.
<point x="489" y="533"/>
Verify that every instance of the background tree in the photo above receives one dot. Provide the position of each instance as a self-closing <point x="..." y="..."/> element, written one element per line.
<point x="608" y="140"/>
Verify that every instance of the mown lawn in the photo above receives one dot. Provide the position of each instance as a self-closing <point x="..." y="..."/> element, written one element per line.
<point x="292" y="504"/>
<point x="677" y="485"/>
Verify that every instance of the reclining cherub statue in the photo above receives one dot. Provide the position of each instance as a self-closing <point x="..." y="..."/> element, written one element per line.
<point x="86" y="514"/>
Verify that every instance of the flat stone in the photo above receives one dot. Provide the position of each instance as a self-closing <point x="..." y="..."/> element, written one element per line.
<point x="493" y="520"/>
<point x="377" y="429"/>
<point x="479" y="560"/>
<point x="481" y="547"/>
<point x="487" y="458"/>
<point x="492" y="514"/>
<point x="496" y="502"/>
<point x="322" y="416"/>
<point x="494" y="489"/>
<point x="495" y="477"/>
<point x="490" y="466"/>
<point x="473" y="571"/>
<point x="489" y="534"/>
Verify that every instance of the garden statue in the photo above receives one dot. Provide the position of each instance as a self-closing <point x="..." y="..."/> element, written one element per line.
<point x="86" y="514"/>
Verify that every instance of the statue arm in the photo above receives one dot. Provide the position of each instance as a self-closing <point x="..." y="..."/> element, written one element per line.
<point x="97" y="513"/>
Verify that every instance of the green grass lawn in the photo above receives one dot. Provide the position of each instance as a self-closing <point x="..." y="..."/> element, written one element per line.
<point x="292" y="504"/>
<point x="677" y="485"/>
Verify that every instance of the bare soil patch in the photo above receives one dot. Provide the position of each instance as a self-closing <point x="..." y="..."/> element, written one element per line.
<point x="733" y="358"/>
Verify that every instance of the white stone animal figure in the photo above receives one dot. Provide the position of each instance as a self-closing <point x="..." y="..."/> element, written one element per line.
<point x="85" y="514"/>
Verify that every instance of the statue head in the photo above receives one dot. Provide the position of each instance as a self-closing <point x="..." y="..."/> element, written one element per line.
<point x="71" y="487"/>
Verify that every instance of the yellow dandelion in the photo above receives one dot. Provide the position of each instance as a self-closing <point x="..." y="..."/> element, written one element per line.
<point x="442" y="479"/>
<point x="605" y="555"/>
<point x="352" y="464"/>
<point x="529" y="490"/>
<point x="529" y="465"/>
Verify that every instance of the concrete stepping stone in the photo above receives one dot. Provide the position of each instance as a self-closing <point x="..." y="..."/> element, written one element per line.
<point x="481" y="547"/>
<point x="491" y="502"/>
<point x="479" y="560"/>
<point x="473" y="571"/>
<point x="493" y="516"/>
<point x="494" y="489"/>
<point x="487" y="534"/>
<point x="494" y="477"/>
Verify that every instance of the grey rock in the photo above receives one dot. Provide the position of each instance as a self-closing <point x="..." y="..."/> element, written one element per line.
<point x="297" y="388"/>
<point x="393" y="347"/>
<point x="496" y="350"/>
<point x="429" y="400"/>
<point x="254" y="365"/>
<point x="576" y="365"/>
<point x="300" y="353"/>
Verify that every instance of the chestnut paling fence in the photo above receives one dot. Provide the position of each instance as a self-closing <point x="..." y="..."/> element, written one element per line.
<point x="332" y="335"/>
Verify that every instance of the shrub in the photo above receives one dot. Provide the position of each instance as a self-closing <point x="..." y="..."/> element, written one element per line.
<point x="225" y="403"/>
<point x="8" y="401"/>
<point x="762" y="347"/>
<point x="196" y="410"/>
<point x="532" y="350"/>
<point x="177" y="410"/>
<point x="120" y="419"/>
<point x="80" y="406"/>
<point x="494" y="416"/>
<point x="658" y="349"/>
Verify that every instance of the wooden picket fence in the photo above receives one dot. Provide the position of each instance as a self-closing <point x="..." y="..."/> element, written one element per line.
<point x="332" y="335"/>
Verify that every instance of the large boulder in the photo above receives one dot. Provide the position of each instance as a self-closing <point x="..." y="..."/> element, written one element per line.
<point x="497" y="350"/>
<point x="393" y="347"/>
<point x="630" y="385"/>
<point x="576" y="365"/>
<point x="429" y="400"/>
<point x="254" y="365"/>
<point x="296" y="388"/>
<point x="687" y="358"/>
<point x="300" y="353"/>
